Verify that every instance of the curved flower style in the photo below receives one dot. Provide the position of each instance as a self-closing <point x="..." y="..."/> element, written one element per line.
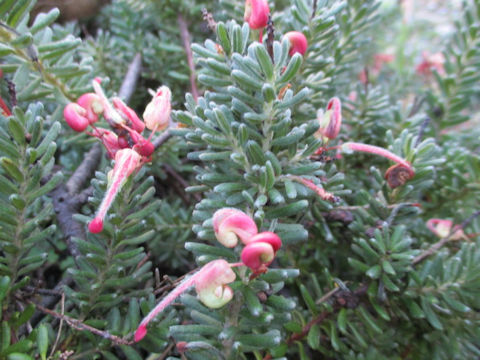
<point x="256" y="13"/>
<point x="231" y="224"/>
<point x="210" y="283"/>
<point x="396" y="175"/>
<point x="260" y="251"/>
<point x="330" y="121"/>
<point x="298" y="42"/>
<point x="126" y="162"/>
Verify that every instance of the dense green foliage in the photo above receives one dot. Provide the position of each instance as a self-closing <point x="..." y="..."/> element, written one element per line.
<point x="359" y="274"/>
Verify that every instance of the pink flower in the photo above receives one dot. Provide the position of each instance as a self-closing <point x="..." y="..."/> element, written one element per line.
<point x="260" y="251"/>
<point x="256" y="13"/>
<point x="431" y="61"/>
<point x="157" y="112"/>
<point x="134" y="121"/>
<point x="440" y="227"/>
<point x="76" y="117"/>
<point x="126" y="162"/>
<point x="92" y="104"/>
<point x="231" y="224"/>
<point x="109" y="113"/>
<point x="109" y="139"/>
<point x="330" y="121"/>
<point x="298" y="42"/>
<point x="210" y="283"/>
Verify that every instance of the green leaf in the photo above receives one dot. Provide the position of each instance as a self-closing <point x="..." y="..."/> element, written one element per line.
<point x="430" y="314"/>
<point x="288" y="210"/>
<point x="374" y="272"/>
<point x="313" y="337"/>
<point x="264" y="60"/>
<point x="42" y="341"/>
<point x="342" y="320"/>
<point x="308" y="300"/>
<point x="251" y="300"/>
<point x="292" y="69"/>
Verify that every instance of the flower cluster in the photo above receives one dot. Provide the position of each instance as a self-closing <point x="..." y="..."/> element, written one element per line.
<point x="124" y="142"/>
<point x="211" y="281"/>
<point x="231" y="225"/>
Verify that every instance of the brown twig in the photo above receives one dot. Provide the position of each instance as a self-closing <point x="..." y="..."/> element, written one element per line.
<point x="129" y="83"/>
<point x="439" y="244"/>
<point x="85" y="170"/>
<point x="160" y="140"/>
<point x="185" y="35"/>
<point x="314" y="9"/>
<point x="421" y="131"/>
<point x="208" y="18"/>
<point x="165" y="353"/>
<point x="180" y="180"/>
<point x="57" y="339"/>
<point x="12" y="92"/>
<point x="79" y="325"/>
<point x="270" y="37"/>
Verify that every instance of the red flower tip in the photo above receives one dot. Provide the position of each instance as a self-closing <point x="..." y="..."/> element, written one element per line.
<point x="95" y="226"/>
<point x="144" y="148"/>
<point x="256" y="13"/>
<point x="298" y="42"/>
<point x="140" y="333"/>
<point x="75" y="116"/>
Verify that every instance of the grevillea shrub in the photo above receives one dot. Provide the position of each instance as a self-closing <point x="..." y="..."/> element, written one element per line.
<point x="288" y="179"/>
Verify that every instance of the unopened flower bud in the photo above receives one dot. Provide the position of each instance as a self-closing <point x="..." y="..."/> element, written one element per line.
<point x="397" y="175"/>
<point x="330" y="121"/>
<point x="92" y="103"/>
<point x="76" y="117"/>
<point x="157" y="112"/>
<point x="256" y="13"/>
<point x="298" y="42"/>
<point x="231" y="224"/>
